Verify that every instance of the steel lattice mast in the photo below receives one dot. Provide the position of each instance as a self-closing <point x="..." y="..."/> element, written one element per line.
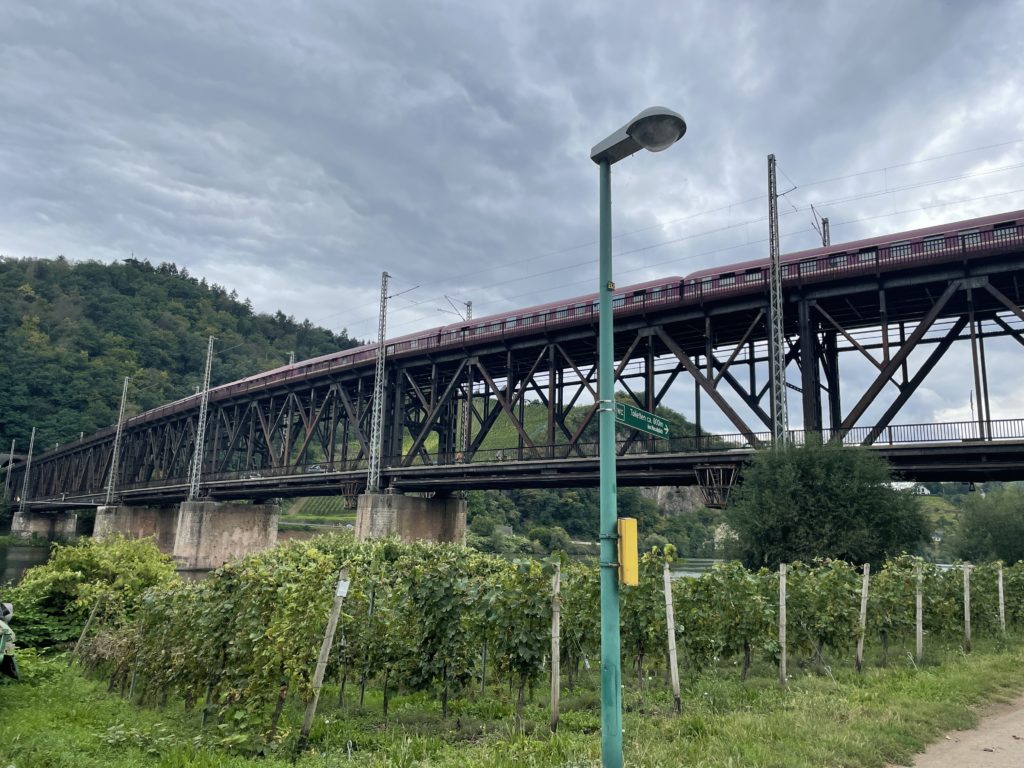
<point x="10" y="471"/>
<point x="28" y="471"/>
<point x="115" y="455"/>
<point x="826" y="236"/>
<point x="777" y="339"/>
<point x="377" y="412"/>
<point x="196" y="469"/>
<point x="467" y="405"/>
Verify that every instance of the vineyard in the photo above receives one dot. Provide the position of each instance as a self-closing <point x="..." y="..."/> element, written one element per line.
<point x="241" y="646"/>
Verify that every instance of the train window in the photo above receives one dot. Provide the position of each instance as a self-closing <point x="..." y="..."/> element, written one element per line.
<point x="785" y="270"/>
<point x="899" y="250"/>
<point x="618" y="301"/>
<point x="970" y="237"/>
<point x="511" y="323"/>
<point x="656" y="293"/>
<point x="837" y="260"/>
<point x="595" y="307"/>
<point x="729" y="278"/>
<point x="562" y="313"/>
<point x="753" y="275"/>
<point x="807" y="266"/>
<point x="934" y="244"/>
<point x="413" y="344"/>
<point x="868" y="254"/>
<point x="578" y="310"/>
<point x="705" y="284"/>
<point x="1004" y="231"/>
<point x="390" y="349"/>
<point x="495" y="327"/>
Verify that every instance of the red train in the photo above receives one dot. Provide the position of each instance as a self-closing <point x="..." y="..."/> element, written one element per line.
<point x="946" y="242"/>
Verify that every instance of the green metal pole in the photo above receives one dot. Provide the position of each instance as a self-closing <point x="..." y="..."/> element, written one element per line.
<point x="611" y="669"/>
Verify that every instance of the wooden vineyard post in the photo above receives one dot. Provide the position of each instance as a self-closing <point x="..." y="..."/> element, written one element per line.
<point x="483" y="668"/>
<point x="325" y="651"/>
<point x="919" y="617"/>
<point x="96" y="607"/>
<point x="863" y="615"/>
<point x="1002" y="602"/>
<point x="967" y="607"/>
<point x="670" y="623"/>
<point x="782" y="624"/>
<point x="556" y="645"/>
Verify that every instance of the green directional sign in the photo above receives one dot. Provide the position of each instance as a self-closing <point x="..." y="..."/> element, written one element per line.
<point x="637" y="418"/>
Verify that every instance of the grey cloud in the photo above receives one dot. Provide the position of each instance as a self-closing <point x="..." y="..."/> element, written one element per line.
<point x="293" y="151"/>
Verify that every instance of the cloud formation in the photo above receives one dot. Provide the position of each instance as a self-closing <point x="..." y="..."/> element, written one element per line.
<point x="294" y="151"/>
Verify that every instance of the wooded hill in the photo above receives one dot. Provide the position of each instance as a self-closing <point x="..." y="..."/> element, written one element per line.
<point x="70" y="333"/>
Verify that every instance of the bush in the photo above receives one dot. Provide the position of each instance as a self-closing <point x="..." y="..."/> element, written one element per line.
<point x="822" y="501"/>
<point x="53" y="600"/>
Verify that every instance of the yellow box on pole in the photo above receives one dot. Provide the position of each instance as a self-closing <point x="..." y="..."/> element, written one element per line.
<point x="629" y="561"/>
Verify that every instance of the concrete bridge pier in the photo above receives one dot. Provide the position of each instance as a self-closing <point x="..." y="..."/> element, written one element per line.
<point x="412" y="518"/>
<point x="137" y="523"/>
<point x="211" y="533"/>
<point x="54" y="526"/>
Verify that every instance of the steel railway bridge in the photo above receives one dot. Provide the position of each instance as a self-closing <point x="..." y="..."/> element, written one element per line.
<point x="305" y="430"/>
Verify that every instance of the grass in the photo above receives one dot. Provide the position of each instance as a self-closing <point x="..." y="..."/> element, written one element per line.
<point x="836" y="719"/>
<point x="317" y="513"/>
<point x="16" y="541"/>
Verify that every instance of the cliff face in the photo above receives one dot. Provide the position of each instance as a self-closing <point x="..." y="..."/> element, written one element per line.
<point x="675" y="499"/>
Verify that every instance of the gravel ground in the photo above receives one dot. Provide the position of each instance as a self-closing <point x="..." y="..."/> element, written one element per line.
<point x="997" y="742"/>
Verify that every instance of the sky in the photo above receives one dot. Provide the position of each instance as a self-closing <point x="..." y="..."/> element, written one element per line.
<point x="292" y="151"/>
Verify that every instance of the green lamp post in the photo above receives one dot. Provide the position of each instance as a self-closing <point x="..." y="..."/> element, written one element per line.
<point x="654" y="129"/>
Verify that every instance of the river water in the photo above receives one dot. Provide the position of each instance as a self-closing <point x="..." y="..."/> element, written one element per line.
<point x="14" y="561"/>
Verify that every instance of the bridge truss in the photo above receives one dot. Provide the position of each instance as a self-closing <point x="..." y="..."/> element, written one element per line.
<point x="470" y="404"/>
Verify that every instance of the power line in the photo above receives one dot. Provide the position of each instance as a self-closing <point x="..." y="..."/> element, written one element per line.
<point x="796" y="209"/>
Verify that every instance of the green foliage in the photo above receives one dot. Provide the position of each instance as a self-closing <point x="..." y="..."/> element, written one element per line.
<point x="554" y="518"/>
<point x="53" y="600"/>
<point x="891" y="602"/>
<point x="728" y="611"/>
<point x="802" y="503"/>
<point x="581" y="617"/>
<point x="70" y="333"/>
<point x="417" y="620"/>
<point x="823" y="607"/>
<point x="436" y="614"/>
<point x="518" y="601"/>
<point x="992" y="526"/>
<point x="642" y="612"/>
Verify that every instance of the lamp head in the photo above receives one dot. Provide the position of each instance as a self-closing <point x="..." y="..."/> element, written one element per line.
<point x="655" y="129"/>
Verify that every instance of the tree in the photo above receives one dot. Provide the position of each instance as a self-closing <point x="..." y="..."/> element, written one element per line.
<point x="992" y="526"/>
<point x="801" y="503"/>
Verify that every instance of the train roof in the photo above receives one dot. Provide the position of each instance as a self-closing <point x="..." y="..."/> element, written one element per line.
<point x="540" y="308"/>
<point x="856" y="245"/>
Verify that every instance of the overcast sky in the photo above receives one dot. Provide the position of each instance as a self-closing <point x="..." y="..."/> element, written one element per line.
<point x="294" y="150"/>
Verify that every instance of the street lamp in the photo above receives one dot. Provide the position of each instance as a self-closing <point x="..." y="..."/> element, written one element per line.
<point x="654" y="129"/>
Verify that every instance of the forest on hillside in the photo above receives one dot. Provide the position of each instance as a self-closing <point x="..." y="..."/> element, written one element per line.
<point x="70" y="332"/>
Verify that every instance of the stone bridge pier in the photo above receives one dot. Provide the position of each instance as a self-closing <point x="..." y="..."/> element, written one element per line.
<point x="200" y="535"/>
<point x="411" y="518"/>
<point x="137" y="522"/>
<point x="54" y="526"/>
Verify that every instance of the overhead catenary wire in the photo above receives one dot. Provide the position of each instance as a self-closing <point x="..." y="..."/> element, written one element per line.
<point x="760" y="241"/>
<point x="746" y="222"/>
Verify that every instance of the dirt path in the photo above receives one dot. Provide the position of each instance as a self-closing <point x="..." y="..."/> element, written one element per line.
<point x="997" y="742"/>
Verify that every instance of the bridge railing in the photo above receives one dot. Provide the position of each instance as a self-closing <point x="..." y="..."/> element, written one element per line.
<point x="950" y="433"/>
